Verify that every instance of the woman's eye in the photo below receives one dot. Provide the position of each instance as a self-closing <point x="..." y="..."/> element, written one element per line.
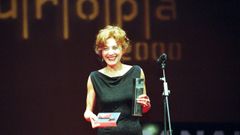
<point x="105" y="48"/>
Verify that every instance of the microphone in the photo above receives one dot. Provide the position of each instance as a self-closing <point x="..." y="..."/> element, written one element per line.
<point x="162" y="58"/>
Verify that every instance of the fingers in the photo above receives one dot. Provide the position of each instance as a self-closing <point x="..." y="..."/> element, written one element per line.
<point x="143" y="96"/>
<point x="88" y="115"/>
<point x="143" y="100"/>
<point x="92" y="118"/>
<point x="94" y="123"/>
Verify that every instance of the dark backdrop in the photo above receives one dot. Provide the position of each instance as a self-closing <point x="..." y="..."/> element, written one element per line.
<point x="44" y="72"/>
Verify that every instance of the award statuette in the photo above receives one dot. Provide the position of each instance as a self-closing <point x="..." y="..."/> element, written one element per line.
<point x="138" y="90"/>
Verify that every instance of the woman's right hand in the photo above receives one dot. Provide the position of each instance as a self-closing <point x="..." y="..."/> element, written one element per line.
<point x="91" y="117"/>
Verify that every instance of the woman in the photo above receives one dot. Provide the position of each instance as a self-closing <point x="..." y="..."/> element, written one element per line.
<point x="111" y="87"/>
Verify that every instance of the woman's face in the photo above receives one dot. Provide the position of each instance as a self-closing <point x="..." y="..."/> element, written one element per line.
<point x="112" y="52"/>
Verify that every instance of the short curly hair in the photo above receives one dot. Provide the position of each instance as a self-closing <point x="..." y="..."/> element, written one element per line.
<point x="111" y="32"/>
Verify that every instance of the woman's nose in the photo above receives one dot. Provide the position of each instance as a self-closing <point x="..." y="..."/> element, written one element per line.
<point x="110" y="51"/>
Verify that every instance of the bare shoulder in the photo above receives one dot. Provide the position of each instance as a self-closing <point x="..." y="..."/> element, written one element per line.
<point x="101" y="70"/>
<point x="127" y="67"/>
<point x="142" y="74"/>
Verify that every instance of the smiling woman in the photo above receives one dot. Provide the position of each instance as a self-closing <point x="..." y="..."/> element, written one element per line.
<point x="112" y="86"/>
<point x="111" y="44"/>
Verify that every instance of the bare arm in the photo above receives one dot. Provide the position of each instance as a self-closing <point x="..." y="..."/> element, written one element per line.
<point x="90" y="101"/>
<point x="144" y="99"/>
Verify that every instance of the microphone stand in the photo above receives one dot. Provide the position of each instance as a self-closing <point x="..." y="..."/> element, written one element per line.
<point x="165" y="94"/>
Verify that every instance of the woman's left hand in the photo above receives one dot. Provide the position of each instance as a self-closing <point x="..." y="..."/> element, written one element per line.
<point x="145" y="102"/>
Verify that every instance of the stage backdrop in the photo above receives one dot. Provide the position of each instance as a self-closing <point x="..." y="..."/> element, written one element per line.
<point x="47" y="54"/>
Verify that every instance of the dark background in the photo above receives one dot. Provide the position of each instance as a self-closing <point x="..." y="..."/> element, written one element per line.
<point x="43" y="78"/>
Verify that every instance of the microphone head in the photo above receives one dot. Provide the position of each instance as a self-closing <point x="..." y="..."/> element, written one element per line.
<point x="162" y="58"/>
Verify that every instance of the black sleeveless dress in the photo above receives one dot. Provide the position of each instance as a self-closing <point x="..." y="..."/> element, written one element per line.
<point x="114" y="94"/>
